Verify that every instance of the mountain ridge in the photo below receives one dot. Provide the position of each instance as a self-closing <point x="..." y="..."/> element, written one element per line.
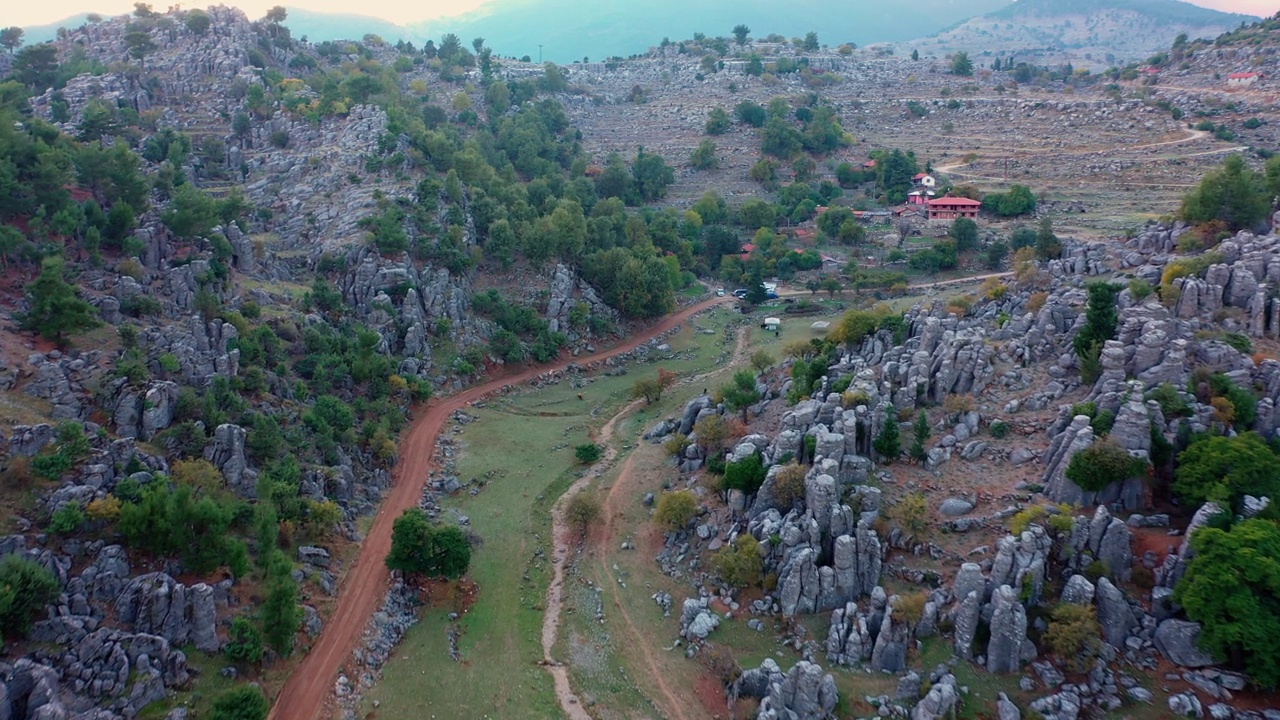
<point x="1082" y="31"/>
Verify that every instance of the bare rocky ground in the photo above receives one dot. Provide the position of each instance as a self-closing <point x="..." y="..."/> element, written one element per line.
<point x="1123" y="161"/>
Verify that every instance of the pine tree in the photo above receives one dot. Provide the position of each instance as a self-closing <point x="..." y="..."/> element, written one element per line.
<point x="887" y="444"/>
<point x="921" y="428"/>
<point x="280" y="614"/>
<point x="56" y="310"/>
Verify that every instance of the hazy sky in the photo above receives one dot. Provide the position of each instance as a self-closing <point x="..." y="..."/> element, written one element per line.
<point x="18" y="12"/>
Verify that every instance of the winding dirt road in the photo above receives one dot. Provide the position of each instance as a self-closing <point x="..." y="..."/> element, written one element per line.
<point x="306" y="694"/>
<point x="309" y="689"/>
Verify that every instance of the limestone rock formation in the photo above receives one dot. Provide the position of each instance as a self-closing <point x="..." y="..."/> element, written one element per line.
<point x="1009" y="647"/>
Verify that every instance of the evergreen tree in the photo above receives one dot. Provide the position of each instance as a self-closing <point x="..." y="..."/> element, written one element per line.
<point x="741" y="393"/>
<point x="887" y="444"/>
<point x="922" y="432"/>
<point x="56" y="310"/>
<point x="1233" y="194"/>
<point x="280" y="614"/>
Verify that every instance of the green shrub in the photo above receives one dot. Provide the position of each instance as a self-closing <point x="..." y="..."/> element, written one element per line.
<point x="912" y="512"/>
<point x="887" y="444"/>
<point x="740" y="565"/>
<point x="1230" y="587"/>
<point x="1140" y="289"/>
<point x="588" y="453"/>
<point x="67" y="519"/>
<point x="245" y="702"/>
<point x="1074" y="635"/>
<point x="676" y="509"/>
<point x="1239" y="341"/>
<point x="1102" y="464"/>
<point x="582" y="511"/>
<point x="25" y="588"/>
<point x="1225" y="469"/>
<point x="999" y="429"/>
<point x="746" y="475"/>
<point x="244" y="641"/>
<point x="1172" y="404"/>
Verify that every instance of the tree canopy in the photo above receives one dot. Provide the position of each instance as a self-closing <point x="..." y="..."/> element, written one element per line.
<point x="1225" y="469"/>
<point x="419" y="546"/>
<point x="1232" y="587"/>
<point x="1233" y="194"/>
<point x="56" y="310"/>
<point x="741" y="393"/>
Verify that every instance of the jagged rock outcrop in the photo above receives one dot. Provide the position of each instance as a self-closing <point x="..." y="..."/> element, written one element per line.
<point x="697" y="620"/>
<point x="227" y="453"/>
<point x="155" y="603"/>
<point x="803" y="693"/>
<point x="568" y="291"/>
<point x="1022" y="562"/>
<point x="1078" y="591"/>
<point x="966" y="619"/>
<point x="1009" y="647"/>
<point x="941" y="701"/>
<point x="890" y="651"/>
<point x="1100" y="538"/>
<point x="1174" y="566"/>
<point x="849" y="640"/>
<point x="803" y="586"/>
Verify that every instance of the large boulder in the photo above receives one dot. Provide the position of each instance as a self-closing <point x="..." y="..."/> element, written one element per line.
<point x="1178" y="641"/>
<point x="1114" y="614"/>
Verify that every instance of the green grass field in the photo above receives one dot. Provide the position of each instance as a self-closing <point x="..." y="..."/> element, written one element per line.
<point x="522" y="445"/>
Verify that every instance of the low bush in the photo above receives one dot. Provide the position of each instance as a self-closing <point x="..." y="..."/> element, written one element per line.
<point x="588" y="453"/>
<point x="676" y="509"/>
<point x="1074" y="635"/>
<point x="1102" y="464"/>
<point x="740" y="565"/>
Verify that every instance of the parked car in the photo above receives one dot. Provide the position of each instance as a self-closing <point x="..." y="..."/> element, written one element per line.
<point x="740" y="293"/>
<point x="719" y="292"/>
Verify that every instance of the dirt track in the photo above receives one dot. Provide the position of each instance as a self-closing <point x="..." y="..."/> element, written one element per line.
<point x="309" y="689"/>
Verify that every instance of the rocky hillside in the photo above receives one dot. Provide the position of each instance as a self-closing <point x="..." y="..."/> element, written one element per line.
<point x="232" y="261"/>
<point x="982" y="540"/>
<point x="1095" y="33"/>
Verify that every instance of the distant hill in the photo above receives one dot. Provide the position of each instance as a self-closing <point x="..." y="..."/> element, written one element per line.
<point x="37" y="34"/>
<point x="569" y="30"/>
<point x="1076" y="29"/>
<point x="319" y="26"/>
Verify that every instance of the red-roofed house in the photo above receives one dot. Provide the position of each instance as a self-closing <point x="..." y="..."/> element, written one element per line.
<point x="951" y="208"/>
<point x="869" y="164"/>
<point x="1243" y="79"/>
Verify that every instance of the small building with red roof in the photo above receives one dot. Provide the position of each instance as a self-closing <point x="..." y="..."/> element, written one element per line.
<point x="1243" y="79"/>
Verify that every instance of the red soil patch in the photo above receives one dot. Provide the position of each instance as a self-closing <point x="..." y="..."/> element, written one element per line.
<point x="711" y="695"/>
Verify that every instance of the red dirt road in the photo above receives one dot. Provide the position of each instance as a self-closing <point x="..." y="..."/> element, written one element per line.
<point x="307" y="691"/>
